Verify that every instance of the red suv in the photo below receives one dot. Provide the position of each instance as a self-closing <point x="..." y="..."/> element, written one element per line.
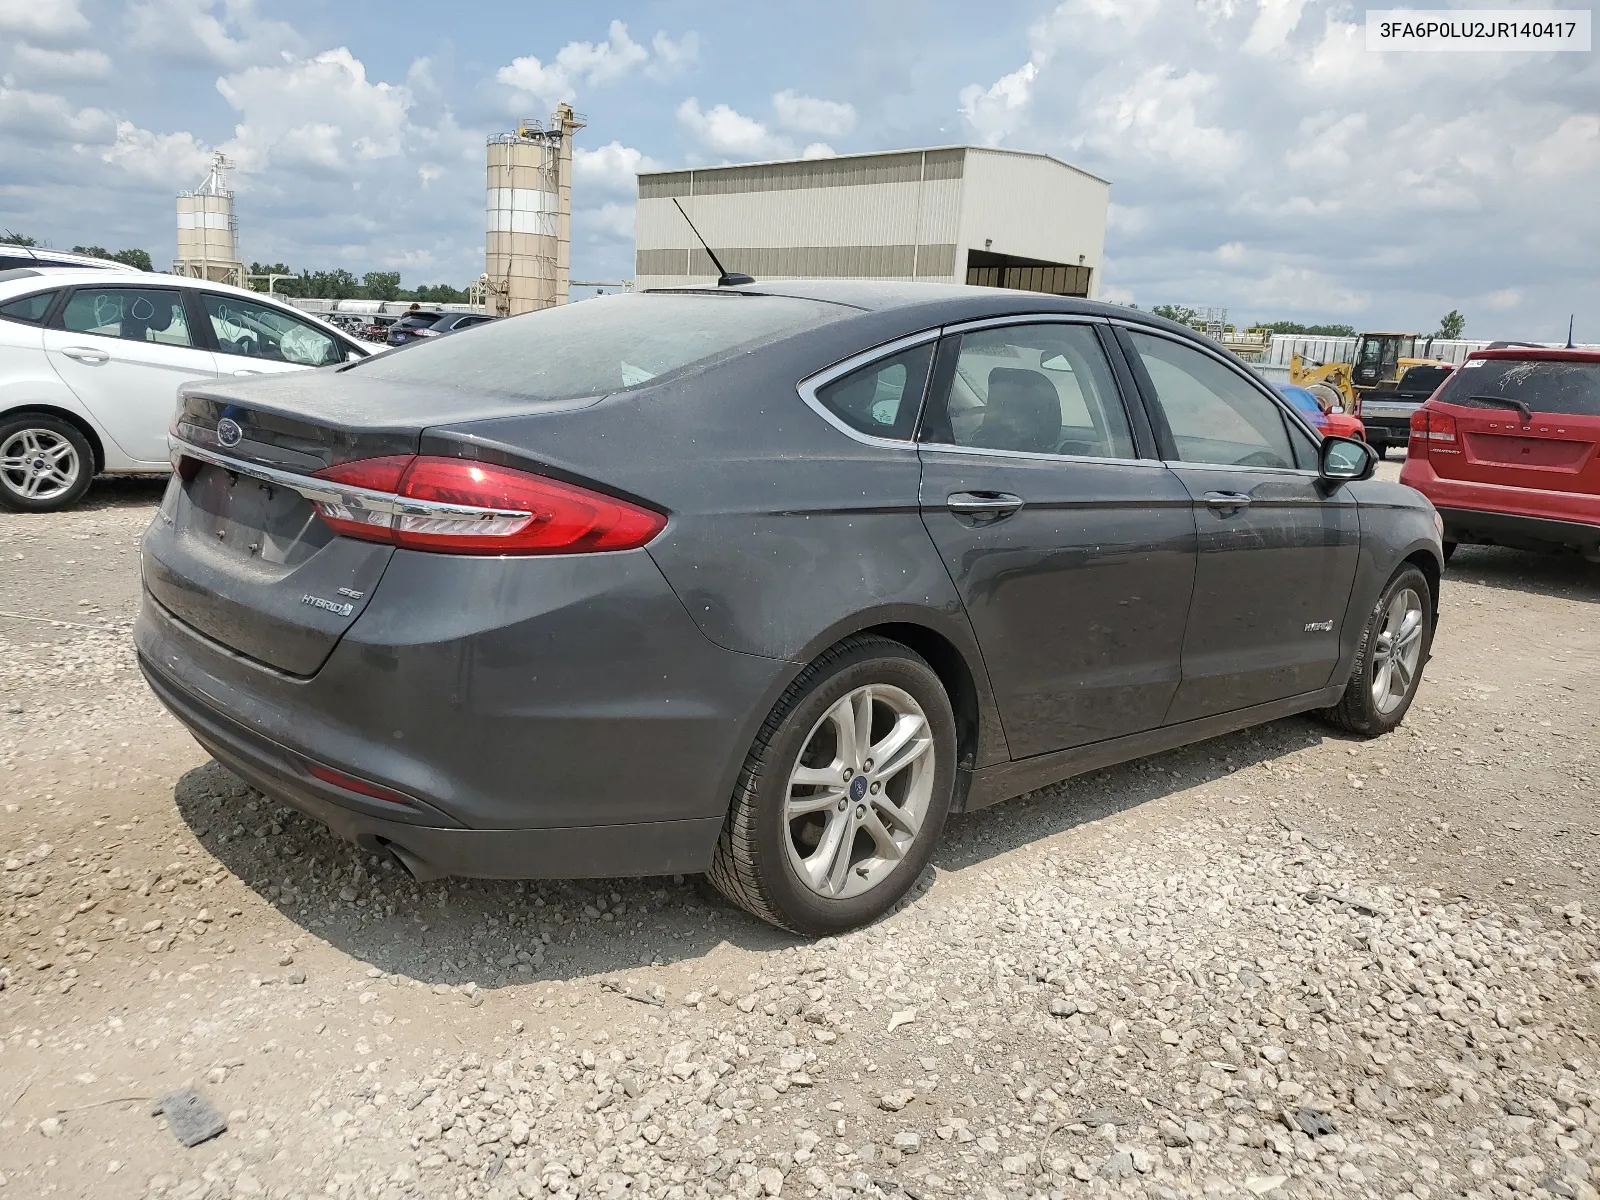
<point x="1508" y="450"/>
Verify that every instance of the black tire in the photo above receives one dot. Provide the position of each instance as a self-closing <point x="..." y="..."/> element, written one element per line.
<point x="1449" y="550"/>
<point x="753" y="866"/>
<point x="1358" y="710"/>
<point x="1382" y="448"/>
<point x="47" y="431"/>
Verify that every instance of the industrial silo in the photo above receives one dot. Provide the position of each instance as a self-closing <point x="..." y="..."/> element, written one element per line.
<point x="208" y="231"/>
<point x="528" y="234"/>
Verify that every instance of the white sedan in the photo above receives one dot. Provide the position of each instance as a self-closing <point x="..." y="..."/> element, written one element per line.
<point x="90" y="363"/>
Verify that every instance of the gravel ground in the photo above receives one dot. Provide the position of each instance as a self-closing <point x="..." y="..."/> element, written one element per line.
<point x="1280" y="963"/>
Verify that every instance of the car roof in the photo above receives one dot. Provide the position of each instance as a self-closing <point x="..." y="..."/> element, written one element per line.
<point x="1542" y="353"/>
<point x="40" y="256"/>
<point x="935" y="303"/>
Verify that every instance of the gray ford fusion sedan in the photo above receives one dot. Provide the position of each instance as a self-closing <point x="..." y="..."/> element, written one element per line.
<point x="762" y="581"/>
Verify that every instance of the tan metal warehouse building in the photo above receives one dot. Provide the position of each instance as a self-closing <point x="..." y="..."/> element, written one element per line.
<point x="953" y="214"/>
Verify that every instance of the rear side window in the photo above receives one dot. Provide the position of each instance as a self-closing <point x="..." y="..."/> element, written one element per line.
<point x="598" y="346"/>
<point x="1032" y="389"/>
<point x="136" y="314"/>
<point x="1567" y="388"/>
<point x="881" y="399"/>
<point x="29" y="308"/>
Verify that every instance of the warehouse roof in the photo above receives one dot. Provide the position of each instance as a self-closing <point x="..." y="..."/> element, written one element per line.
<point x="778" y="162"/>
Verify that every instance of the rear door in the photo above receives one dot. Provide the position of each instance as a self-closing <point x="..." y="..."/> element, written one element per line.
<point x="253" y="338"/>
<point x="124" y="350"/>
<point x="1522" y="423"/>
<point x="1277" y="549"/>
<point x="1074" y="555"/>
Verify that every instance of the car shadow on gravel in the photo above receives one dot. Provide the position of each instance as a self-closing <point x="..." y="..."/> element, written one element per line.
<point x="1565" y="576"/>
<point x="122" y="491"/>
<point x="492" y="934"/>
<point x="453" y="932"/>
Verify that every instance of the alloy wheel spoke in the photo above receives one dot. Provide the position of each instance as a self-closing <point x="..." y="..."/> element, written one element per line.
<point x="884" y="840"/>
<point x="1404" y="673"/>
<point x="906" y="821"/>
<point x="828" y="776"/>
<point x="903" y="745"/>
<point x="839" y="861"/>
<point x="843" y="717"/>
<point x="800" y="806"/>
<point x="862" y="701"/>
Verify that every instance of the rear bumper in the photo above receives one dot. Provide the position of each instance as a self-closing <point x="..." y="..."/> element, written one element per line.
<point x="1497" y="515"/>
<point x="560" y="719"/>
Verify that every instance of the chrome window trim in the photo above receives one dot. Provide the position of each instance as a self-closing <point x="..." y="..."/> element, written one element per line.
<point x="1026" y="319"/>
<point x="808" y="387"/>
<point x="947" y="448"/>
<point x="324" y="491"/>
<point x="1198" y="466"/>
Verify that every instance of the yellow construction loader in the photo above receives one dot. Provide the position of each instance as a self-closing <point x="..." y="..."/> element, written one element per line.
<point x="1383" y="386"/>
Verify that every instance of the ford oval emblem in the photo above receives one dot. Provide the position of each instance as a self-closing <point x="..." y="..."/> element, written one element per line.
<point x="228" y="432"/>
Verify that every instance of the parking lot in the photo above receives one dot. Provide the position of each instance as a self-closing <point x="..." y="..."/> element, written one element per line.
<point x="1280" y="963"/>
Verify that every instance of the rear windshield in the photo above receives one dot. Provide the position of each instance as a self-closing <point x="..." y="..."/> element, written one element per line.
<point x="597" y="346"/>
<point x="1571" y="388"/>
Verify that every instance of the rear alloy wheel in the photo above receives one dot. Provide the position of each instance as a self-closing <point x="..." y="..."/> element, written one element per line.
<point x="1389" y="664"/>
<point x="45" y="463"/>
<point x="844" y="793"/>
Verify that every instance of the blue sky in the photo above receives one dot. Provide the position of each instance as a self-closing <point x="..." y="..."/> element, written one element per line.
<point x="1261" y="159"/>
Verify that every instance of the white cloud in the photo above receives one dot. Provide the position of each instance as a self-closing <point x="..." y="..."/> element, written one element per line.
<point x="807" y="114"/>
<point x="1505" y="298"/>
<point x="725" y="131"/>
<point x="818" y="150"/>
<point x="1157" y="117"/>
<point x="1231" y="252"/>
<point x="48" y="20"/>
<point x="994" y="111"/>
<point x="611" y="219"/>
<point x="172" y="159"/>
<point x="230" y="34"/>
<point x="45" y="117"/>
<point x="31" y="62"/>
<point x="589" y="64"/>
<point x="319" y="114"/>
<point x="611" y="167"/>
<point x="1275" y="21"/>
<point x="1571" y="151"/>
<point x="429" y="172"/>
<point x="671" y="57"/>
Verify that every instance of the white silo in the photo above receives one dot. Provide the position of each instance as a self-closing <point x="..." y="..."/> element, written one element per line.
<point x="528" y="234"/>
<point x="208" y="231"/>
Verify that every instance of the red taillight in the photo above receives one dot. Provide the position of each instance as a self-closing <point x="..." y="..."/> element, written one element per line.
<point x="1436" y="426"/>
<point x="350" y="783"/>
<point x="468" y="507"/>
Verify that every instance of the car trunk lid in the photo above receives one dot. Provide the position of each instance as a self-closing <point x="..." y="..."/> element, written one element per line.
<point x="238" y="553"/>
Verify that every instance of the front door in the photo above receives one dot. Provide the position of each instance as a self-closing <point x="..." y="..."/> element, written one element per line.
<point x="1074" y="557"/>
<point x="123" y="351"/>
<point x="1278" y="547"/>
<point x="255" y="338"/>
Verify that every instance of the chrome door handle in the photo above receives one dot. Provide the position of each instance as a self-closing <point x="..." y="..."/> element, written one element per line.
<point x="86" y="354"/>
<point x="983" y="504"/>
<point x="1227" y="500"/>
<point x="248" y="371"/>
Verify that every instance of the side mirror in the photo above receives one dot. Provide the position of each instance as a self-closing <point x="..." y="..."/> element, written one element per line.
<point x="1342" y="460"/>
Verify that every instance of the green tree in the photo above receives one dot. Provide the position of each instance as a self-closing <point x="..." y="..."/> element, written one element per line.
<point x="337" y="284"/>
<point x="439" y="293"/>
<point x="283" y="287"/>
<point x="381" y="285"/>
<point x="1181" y="313"/>
<point x="16" y="239"/>
<point x="1310" y="330"/>
<point x="1451" y="325"/>
<point x="139" y="260"/>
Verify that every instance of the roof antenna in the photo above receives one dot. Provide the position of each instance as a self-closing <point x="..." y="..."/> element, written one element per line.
<point x="725" y="277"/>
<point x="29" y="249"/>
<point x="1570" y="320"/>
